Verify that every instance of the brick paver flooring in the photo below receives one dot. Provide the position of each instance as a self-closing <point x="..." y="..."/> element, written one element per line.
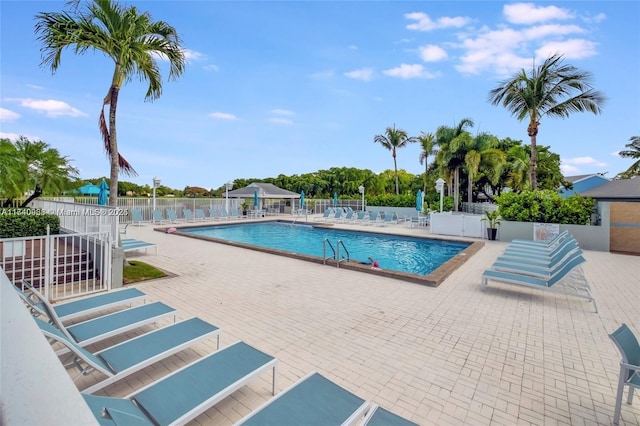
<point x="459" y="354"/>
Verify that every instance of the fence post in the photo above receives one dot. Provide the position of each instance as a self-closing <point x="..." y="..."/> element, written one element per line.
<point x="48" y="262"/>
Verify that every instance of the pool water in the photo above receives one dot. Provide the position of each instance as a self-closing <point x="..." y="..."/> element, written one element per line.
<point x="404" y="254"/>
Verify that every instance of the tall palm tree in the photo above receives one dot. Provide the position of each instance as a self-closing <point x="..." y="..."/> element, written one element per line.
<point x="131" y="39"/>
<point x="632" y="152"/>
<point x="484" y="157"/>
<point x="549" y="90"/>
<point x="428" y="143"/>
<point x="452" y="146"/>
<point x="392" y="140"/>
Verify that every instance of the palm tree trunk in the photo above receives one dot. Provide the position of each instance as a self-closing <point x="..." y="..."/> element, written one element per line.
<point x="470" y="189"/>
<point x="456" y="189"/>
<point x="113" y="143"/>
<point x="424" y="181"/>
<point x="395" y="167"/>
<point x="533" y="163"/>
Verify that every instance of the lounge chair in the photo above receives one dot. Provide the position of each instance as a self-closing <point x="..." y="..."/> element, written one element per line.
<point x="236" y="214"/>
<point x="533" y="259"/>
<point x="361" y="217"/>
<point x="200" y="215"/>
<point x="130" y="356"/>
<point x="538" y="270"/>
<point x="324" y="217"/>
<point x="88" y="305"/>
<point x="213" y="214"/>
<point x="336" y="216"/>
<point x="224" y="214"/>
<point x="172" y="216"/>
<point x="188" y="215"/>
<point x="100" y="328"/>
<point x="136" y="216"/>
<point x="373" y="218"/>
<point x="546" y="244"/>
<point x="186" y="393"/>
<point x="540" y="254"/>
<point x="348" y="217"/>
<point x="378" y="416"/>
<point x="313" y="400"/>
<point x="158" y="217"/>
<point x="388" y="218"/>
<point x="629" y="348"/>
<point x="550" y="282"/>
<point x="129" y="244"/>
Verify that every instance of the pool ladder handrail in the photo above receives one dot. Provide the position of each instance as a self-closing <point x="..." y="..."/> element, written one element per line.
<point x="324" y="251"/>
<point x="343" y="259"/>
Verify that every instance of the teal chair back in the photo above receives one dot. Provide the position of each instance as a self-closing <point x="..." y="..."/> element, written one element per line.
<point x="627" y="345"/>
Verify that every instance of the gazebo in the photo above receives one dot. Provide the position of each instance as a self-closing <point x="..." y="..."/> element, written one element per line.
<point x="266" y="191"/>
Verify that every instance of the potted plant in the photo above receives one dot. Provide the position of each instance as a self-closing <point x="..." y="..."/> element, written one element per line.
<point x="493" y="219"/>
<point x="245" y="207"/>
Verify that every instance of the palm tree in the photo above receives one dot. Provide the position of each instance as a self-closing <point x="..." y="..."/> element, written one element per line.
<point x="549" y="90"/>
<point x="484" y="157"/>
<point x="428" y="143"/>
<point x="392" y="140"/>
<point x="452" y="142"/>
<point x="36" y="168"/>
<point x="131" y="39"/>
<point x="632" y="152"/>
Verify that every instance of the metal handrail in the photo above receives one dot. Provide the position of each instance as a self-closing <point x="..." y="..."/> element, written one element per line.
<point x="324" y="251"/>
<point x="340" y="243"/>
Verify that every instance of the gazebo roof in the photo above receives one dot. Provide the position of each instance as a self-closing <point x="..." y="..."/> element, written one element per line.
<point x="265" y="190"/>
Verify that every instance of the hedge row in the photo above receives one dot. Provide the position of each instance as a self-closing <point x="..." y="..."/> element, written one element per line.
<point x="26" y="222"/>
<point x="546" y="207"/>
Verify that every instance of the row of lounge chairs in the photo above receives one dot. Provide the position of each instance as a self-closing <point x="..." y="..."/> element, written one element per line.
<point x="188" y="215"/>
<point x="189" y="391"/>
<point x="551" y="266"/>
<point x="339" y="215"/>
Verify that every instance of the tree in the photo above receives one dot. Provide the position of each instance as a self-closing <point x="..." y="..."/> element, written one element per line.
<point x="553" y="89"/>
<point x="634" y="153"/>
<point x="131" y="39"/>
<point x="392" y="140"/>
<point x="483" y="158"/>
<point x="452" y="142"/>
<point x="428" y="143"/>
<point x="36" y="168"/>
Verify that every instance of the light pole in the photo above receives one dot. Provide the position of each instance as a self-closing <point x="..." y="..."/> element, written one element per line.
<point x="228" y="186"/>
<point x="361" y="190"/>
<point x="439" y="188"/>
<point x="156" y="184"/>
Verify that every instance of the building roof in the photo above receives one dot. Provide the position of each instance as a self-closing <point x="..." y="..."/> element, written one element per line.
<point x="265" y="190"/>
<point x="620" y="189"/>
<point x="578" y="178"/>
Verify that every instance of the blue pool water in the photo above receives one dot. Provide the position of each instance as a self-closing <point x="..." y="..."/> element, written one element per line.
<point x="405" y="254"/>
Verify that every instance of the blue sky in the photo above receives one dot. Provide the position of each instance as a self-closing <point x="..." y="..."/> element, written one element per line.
<point x="294" y="87"/>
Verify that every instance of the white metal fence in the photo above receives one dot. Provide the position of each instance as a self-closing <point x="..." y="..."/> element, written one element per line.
<point x="61" y="266"/>
<point x="82" y="217"/>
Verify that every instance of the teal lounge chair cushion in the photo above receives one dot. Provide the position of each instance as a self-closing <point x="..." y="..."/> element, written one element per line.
<point x="102" y="301"/>
<point x="312" y="401"/>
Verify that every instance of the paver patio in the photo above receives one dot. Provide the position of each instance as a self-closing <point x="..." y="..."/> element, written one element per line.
<point x="459" y="354"/>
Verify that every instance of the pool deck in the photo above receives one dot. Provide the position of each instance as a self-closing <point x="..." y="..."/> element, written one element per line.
<point x="458" y="354"/>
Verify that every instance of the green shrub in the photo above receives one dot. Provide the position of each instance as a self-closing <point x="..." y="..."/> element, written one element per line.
<point x="392" y="200"/>
<point x="545" y="206"/>
<point x="27" y="222"/>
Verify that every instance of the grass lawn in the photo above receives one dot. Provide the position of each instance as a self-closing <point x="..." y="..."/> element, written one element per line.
<point x="137" y="271"/>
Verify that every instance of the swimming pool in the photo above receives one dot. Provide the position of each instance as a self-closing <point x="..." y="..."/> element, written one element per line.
<point x="411" y="255"/>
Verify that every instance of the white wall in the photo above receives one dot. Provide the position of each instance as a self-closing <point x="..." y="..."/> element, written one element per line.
<point x="35" y="388"/>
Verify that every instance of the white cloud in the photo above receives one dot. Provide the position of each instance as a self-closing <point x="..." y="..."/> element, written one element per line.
<point x="590" y="161"/>
<point x="280" y="120"/>
<point x="279" y="111"/>
<point x="51" y="107"/>
<point x="223" y="116"/>
<point x="33" y="86"/>
<point x="364" y="74"/>
<point x="192" y="55"/>
<point x="571" y="49"/>
<point x="425" y="23"/>
<point x="432" y="53"/>
<point x="7" y="115"/>
<point x="322" y="75"/>
<point x="529" y="13"/>
<point x="546" y="31"/>
<point x="569" y="170"/>
<point x="594" y="19"/>
<point x="211" y="67"/>
<point x="352" y="47"/>
<point x="406" y="71"/>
